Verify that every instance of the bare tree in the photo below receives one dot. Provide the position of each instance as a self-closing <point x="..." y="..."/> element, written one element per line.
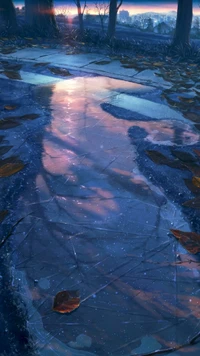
<point x="8" y="14"/>
<point x="102" y="9"/>
<point x="183" y="23"/>
<point x="113" y="10"/>
<point x="41" y="15"/>
<point x="81" y="10"/>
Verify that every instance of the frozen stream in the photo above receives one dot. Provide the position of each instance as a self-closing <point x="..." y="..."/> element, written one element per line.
<point x="98" y="225"/>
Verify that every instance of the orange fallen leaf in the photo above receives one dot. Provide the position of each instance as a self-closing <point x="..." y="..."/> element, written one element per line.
<point x="66" y="301"/>
<point x="10" y="107"/>
<point x="196" y="181"/>
<point x="9" y="166"/>
<point x="189" y="240"/>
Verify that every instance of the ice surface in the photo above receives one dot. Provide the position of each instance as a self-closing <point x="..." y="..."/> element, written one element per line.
<point x="97" y="223"/>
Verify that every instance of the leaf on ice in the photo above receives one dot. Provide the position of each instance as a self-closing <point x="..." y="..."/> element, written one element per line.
<point x="4" y="149"/>
<point x="29" y="117"/>
<point x="10" y="166"/>
<point x="12" y="75"/>
<point x="13" y="67"/>
<point x="193" y="188"/>
<point x="41" y="64"/>
<point x="159" y="158"/>
<point x="8" y="123"/>
<point x="3" y="214"/>
<point x="184" y="156"/>
<point x="66" y="301"/>
<point x="189" y="240"/>
<point x="196" y="181"/>
<point x="193" y="203"/>
<point x="10" y="107"/>
<point x="60" y="71"/>
<point x="102" y="62"/>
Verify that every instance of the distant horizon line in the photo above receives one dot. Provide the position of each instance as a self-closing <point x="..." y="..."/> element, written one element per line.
<point x="132" y="8"/>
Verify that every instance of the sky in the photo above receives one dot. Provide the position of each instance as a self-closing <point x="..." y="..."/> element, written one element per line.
<point x="134" y="7"/>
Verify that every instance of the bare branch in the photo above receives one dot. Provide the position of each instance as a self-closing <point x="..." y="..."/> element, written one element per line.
<point x="119" y="5"/>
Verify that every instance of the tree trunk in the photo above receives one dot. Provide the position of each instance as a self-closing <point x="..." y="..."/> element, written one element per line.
<point x="40" y="14"/>
<point x="112" y="18"/>
<point x="183" y="23"/>
<point x="80" y="15"/>
<point x="8" y="14"/>
<point x="31" y="11"/>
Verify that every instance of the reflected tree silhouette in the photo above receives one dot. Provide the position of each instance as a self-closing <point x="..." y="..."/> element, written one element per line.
<point x="88" y="228"/>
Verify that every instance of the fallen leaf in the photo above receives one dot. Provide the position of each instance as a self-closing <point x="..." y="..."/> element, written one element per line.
<point x="102" y="62"/>
<point x="159" y="158"/>
<point x="193" y="203"/>
<point x="196" y="181"/>
<point x="194" y="189"/>
<point x="29" y="117"/>
<point x="10" y="107"/>
<point x="4" y="149"/>
<point x="8" y="124"/>
<point x="66" y="301"/>
<point x="3" y="214"/>
<point x="186" y="100"/>
<point x="41" y="64"/>
<point x="158" y="64"/>
<point x="60" y="71"/>
<point x="12" y="75"/>
<point x="7" y="169"/>
<point x="184" y="156"/>
<point x="189" y="240"/>
<point x="13" y="67"/>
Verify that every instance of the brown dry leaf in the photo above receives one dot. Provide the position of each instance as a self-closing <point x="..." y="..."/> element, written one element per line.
<point x="29" y="117"/>
<point x="13" y="67"/>
<point x="193" y="203"/>
<point x="7" y="169"/>
<point x="194" y="189"/>
<point x="66" y="301"/>
<point x="3" y="214"/>
<point x="184" y="156"/>
<point x="4" y="149"/>
<point x="186" y="100"/>
<point x="12" y="75"/>
<point x="60" y="71"/>
<point x="41" y="64"/>
<point x="158" y="64"/>
<point x="8" y="123"/>
<point x="10" y="107"/>
<point x="189" y="240"/>
<point x="196" y="181"/>
<point x="159" y="158"/>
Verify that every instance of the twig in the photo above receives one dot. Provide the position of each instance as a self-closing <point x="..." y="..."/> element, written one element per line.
<point x="172" y="349"/>
<point x="3" y="241"/>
